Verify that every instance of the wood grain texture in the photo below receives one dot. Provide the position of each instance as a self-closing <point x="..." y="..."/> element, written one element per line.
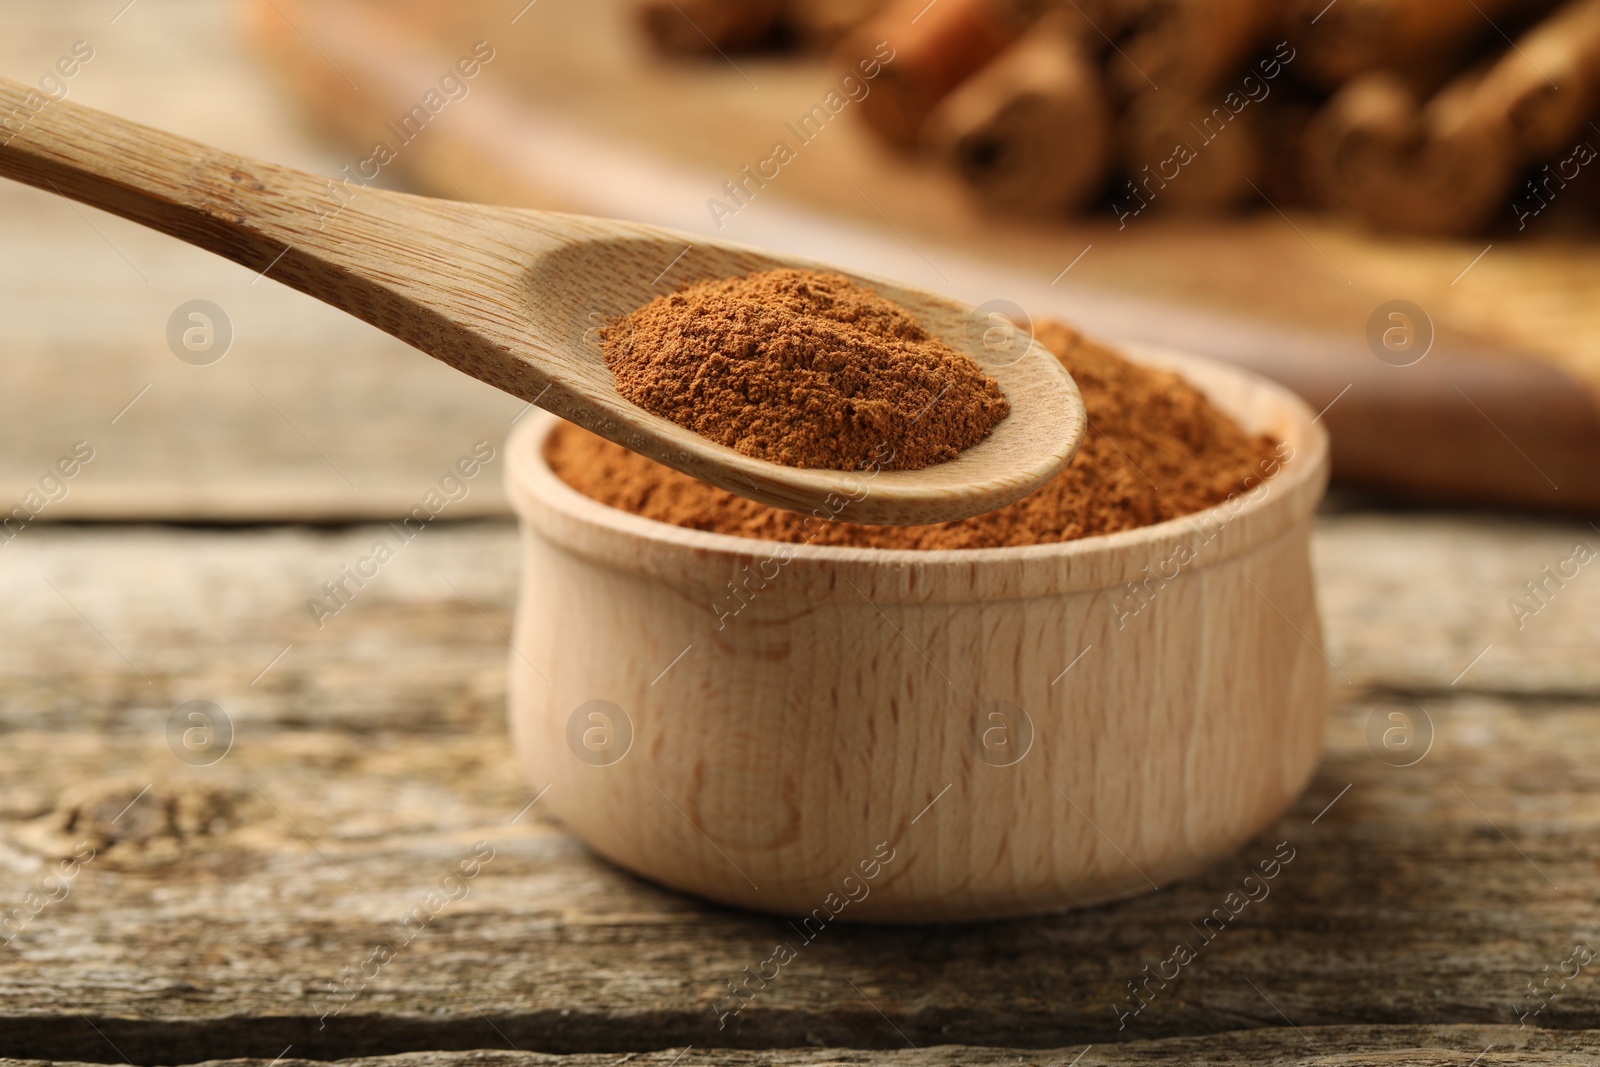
<point x="311" y="414"/>
<point x="206" y="924"/>
<point x="98" y="649"/>
<point x="232" y="602"/>
<point x="1402" y="904"/>
<point x="1319" y="1046"/>
<point x="1428" y="603"/>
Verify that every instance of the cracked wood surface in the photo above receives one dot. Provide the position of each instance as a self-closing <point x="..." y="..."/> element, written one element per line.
<point x="1322" y="1046"/>
<point x="144" y="618"/>
<point x="310" y="414"/>
<point x="369" y="761"/>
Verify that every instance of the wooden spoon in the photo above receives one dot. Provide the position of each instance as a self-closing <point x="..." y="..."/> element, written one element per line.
<point x="515" y="298"/>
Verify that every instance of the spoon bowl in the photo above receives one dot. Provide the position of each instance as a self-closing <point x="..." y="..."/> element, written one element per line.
<point x="517" y="299"/>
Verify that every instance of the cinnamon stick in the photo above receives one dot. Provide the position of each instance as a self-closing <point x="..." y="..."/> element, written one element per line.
<point x="1095" y="22"/>
<point x="1281" y="132"/>
<point x="1448" y="165"/>
<point x="1547" y="88"/>
<point x="701" y="26"/>
<point x="1182" y="156"/>
<point x="1187" y="46"/>
<point x="933" y="48"/>
<point x="822" y="24"/>
<point x="1351" y="37"/>
<point x="1031" y="131"/>
<point x="1377" y="152"/>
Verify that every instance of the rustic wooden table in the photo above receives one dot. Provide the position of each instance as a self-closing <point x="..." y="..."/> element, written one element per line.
<point x="278" y="890"/>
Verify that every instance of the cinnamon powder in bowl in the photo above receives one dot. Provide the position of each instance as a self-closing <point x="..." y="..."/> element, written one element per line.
<point x="1156" y="449"/>
<point x="1104" y="687"/>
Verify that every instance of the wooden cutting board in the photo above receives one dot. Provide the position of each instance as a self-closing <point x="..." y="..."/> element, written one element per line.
<point x="573" y="113"/>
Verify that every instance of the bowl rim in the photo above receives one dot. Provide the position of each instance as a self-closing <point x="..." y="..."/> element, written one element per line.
<point x="552" y="508"/>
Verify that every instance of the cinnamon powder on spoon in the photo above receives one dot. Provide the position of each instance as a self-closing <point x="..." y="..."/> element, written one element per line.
<point x="804" y="369"/>
<point x="1155" y="449"/>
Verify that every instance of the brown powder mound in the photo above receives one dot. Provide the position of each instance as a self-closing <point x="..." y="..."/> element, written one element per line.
<point x="1156" y="449"/>
<point x="803" y="369"/>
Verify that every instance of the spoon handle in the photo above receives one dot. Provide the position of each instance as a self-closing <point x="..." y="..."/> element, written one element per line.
<point x="242" y="209"/>
<point x="382" y="260"/>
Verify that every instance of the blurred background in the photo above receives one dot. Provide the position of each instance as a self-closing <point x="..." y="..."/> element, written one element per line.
<point x="1388" y="205"/>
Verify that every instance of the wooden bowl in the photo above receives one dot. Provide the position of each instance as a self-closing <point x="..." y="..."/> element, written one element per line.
<point x="899" y="736"/>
